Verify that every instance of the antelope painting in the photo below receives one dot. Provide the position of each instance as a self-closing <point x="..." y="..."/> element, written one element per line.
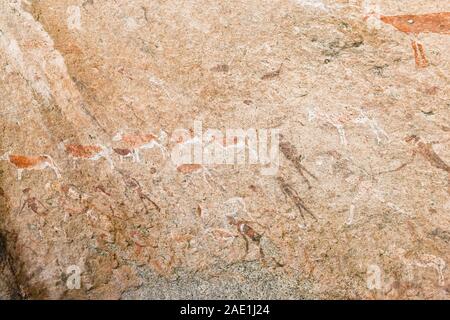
<point x="89" y="152"/>
<point x="134" y="143"/>
<point x="413" y="25"/>
<point x="426" y="150"/>
<point x="196" y="169"/>
<point x="23" y="163"/>
<point x="230" y="144"/>
<point x="124" y="153"/>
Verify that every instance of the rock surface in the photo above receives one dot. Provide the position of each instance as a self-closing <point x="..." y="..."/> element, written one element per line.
<point x="92" y="92"/>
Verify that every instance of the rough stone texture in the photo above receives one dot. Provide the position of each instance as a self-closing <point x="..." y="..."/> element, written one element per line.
<point x="363" y="188"/>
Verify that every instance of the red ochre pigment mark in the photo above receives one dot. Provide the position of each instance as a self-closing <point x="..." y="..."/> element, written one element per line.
<point x="426" y="150"/>
<point x="221" y="68"/>
<point x="5" y="197"/>
<point x="80" y="151"/>
<point x="32" y="203"/>
<point x="193" y="168"/>
<point x="291" y="153"/>
<point x="225" y="141"/>
<point x="137" y="238"/>
<point x="290" y="192"/>
<point x="134" y="184"/>
<point x="133" y="143"/>
<point x="189" y="168"/>
<point x="22" y="163"/>
<point x="419" y="55"/>
<point x="102" y="189"/>
<point x="415" y="24"/>
<point x="89" y="152"/>
<point x="422" y="23"/>
<point x="137" y="141"/>
<point x="123" y="152"/>
<point x="247" y="232"/>
<point x="245" y="229"/>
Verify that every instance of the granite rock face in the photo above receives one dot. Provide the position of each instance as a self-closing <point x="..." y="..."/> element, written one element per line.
<point x="93" y="205"/>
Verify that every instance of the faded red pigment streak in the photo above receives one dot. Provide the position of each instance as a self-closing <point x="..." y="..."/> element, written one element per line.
<point x="189" y="168"/>
<point x="131" y="144"/>
<point x="123" y="152"/>
<point x="24" y="162"/>
<point x="416" y="24"/>
<point x="80" y="151"/>
<point x="136" y="141"/>
<point x="89" y="152"/>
